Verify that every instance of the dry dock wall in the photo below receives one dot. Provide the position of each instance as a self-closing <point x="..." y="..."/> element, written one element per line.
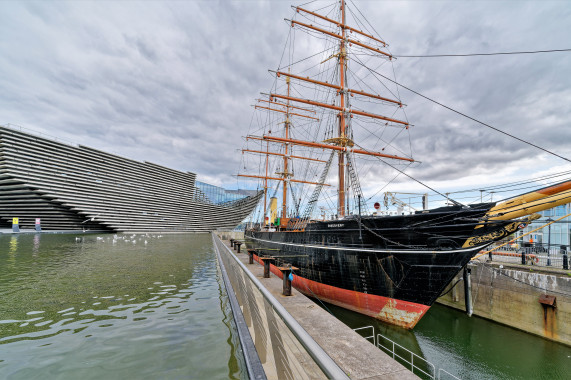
<point x="510" y="294"/>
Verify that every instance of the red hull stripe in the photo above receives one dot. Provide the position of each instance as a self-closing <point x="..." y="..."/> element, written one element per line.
<point x="397" y="312"/>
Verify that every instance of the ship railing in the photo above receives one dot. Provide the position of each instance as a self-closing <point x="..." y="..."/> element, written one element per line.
<point x="269" y="336"/>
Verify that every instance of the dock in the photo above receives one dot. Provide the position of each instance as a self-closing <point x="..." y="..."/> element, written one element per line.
<point x="333" y="350"/>
<point x="532" y="298"/>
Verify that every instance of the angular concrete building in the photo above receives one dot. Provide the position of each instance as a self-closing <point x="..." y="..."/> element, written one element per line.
<point x="79" y="188"/>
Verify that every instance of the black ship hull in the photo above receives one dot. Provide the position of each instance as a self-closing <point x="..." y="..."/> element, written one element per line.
<point x="392" y="268"/>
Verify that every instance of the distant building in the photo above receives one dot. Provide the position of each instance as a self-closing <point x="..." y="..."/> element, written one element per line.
<point x="560" y="231"/>
<point x="220" y="196"/>
<point x="71" y="187"/>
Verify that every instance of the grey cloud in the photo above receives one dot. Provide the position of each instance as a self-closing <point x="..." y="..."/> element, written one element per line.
<point x="174" y="84"/>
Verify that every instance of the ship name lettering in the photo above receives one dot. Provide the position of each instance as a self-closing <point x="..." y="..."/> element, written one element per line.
<point x="335" y="225"/>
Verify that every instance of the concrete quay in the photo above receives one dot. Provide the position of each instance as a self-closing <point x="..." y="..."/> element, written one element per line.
<point x="355" y="355"/>
<point x="529" y="298"/>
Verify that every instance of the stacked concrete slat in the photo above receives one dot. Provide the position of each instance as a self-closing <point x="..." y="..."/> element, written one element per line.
<point x="76" y="187"/>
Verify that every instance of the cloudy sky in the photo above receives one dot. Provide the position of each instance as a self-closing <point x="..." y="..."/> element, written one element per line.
<point x="173" y="82"/>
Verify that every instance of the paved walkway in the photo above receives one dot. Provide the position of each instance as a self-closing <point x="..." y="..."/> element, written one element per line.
<point x="354" y="354"/>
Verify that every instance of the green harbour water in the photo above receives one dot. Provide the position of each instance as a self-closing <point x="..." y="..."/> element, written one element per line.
<point x="114" y="307"/>
<point x="470" y="348"/>
<point x="154" y="307"/>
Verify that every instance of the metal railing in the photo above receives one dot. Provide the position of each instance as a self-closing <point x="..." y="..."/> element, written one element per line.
<point x="448" y="374"/>
<point x="285" y="349"/>
<point x="425" y="368"/>
<point x="538" y="254"/>
<point x="372" y="336"/>
<point x="392" y="351"/>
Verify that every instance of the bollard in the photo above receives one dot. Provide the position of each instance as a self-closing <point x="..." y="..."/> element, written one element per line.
<point x="231" y="243"/>
<point x="15" y="225"/>
<point x="251" y="256"/>
<point x="267" y="261"/>
<point x="523" y="256"/>
<point x="563" y="249"/>
<point x="237" y="244"/>
<point x="286" y="272"/>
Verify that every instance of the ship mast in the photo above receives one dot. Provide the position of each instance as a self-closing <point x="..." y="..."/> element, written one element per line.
<point x="266" y="184"/>
<point x="285" y="175"/>
<point x="342" y="114"/>
<point x="342" y="143"/>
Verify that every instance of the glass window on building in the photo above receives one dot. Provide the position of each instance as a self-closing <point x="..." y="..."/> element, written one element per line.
<point x="217" y="195"/>
<point x="560" y="230"/>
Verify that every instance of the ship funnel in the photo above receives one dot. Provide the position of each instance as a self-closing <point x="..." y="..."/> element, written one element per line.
<point x="532" y="202"/>
<point x="273" y="209"/>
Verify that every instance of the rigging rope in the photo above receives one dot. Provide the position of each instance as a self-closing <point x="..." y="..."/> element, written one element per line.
<point x="463" y="114"/>
<point x="414" y="179"/>
<point x="481" y="54"/>
<point x="452" y="287"/>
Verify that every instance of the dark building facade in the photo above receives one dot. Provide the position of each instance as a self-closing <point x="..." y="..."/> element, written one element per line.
<point x="75" y="187"/>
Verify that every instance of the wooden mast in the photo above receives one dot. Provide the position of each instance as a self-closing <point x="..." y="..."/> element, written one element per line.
<point x="342" y="121"/>
<point x="286" y="158"/>
<point x="266" y="185"/>
<point x="342" y="143"/>
<point x="285" y="175"/>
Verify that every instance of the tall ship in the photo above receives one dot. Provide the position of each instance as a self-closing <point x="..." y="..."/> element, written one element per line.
<point x="322" y="111"/>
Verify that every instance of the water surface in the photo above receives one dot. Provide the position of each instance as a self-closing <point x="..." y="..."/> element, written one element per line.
<point x="472" y="347"/>
<point x="115" y="307"/>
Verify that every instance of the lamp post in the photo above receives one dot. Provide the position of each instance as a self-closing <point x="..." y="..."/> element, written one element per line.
<point x="549" y="220"/>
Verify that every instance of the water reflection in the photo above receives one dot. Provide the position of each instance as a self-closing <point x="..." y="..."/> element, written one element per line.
<point x="472" y="347"/>
<point x="113" y="305"/>
<point x="36" y="247"/>
<point x="13" y="245"/>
